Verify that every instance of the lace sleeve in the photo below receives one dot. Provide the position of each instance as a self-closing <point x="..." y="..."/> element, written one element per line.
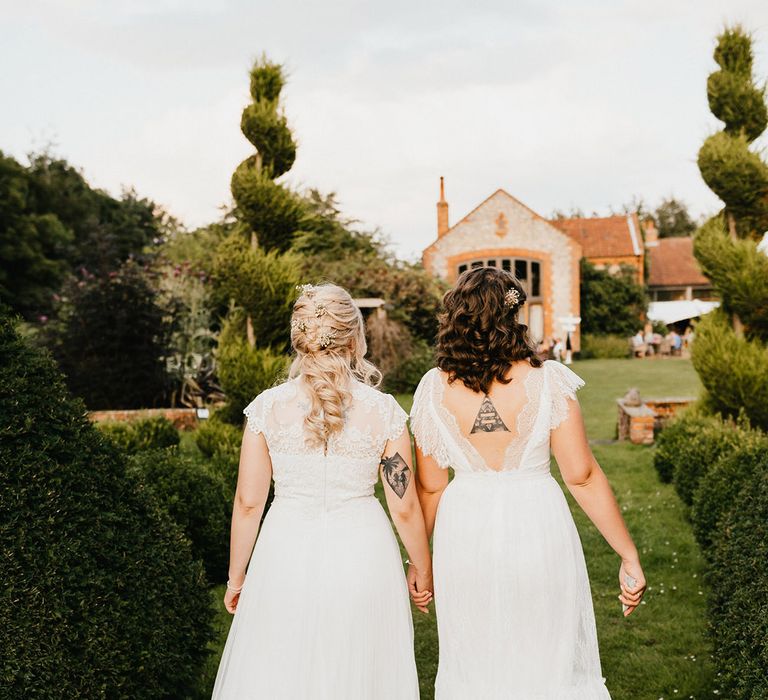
<point x="254" y="413"/>
<point x="563" y="385"/>
<point x="397" y="419"/>
<point x="425" y="431"/>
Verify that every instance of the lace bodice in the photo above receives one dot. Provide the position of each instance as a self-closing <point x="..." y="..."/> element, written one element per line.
<point x="349" y="469"/>
<point x="437" y="432"/>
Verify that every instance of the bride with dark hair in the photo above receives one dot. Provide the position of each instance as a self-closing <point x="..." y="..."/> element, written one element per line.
<point x="512" y="596"/>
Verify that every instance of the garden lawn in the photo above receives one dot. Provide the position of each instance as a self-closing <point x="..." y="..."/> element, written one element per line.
<point x="661" y="650"/>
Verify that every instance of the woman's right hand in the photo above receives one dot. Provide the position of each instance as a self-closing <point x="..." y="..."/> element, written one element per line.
<point x="631" y="595"/>
<point x="420" y="587"/>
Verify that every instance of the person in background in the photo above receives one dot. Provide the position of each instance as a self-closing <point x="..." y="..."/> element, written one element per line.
<point x="638" y="344"/>
<point x="558" y="349"/>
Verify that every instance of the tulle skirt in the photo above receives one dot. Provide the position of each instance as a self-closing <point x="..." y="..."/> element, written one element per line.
<point x="324" y="613"/>
<point x="512" y="596"/>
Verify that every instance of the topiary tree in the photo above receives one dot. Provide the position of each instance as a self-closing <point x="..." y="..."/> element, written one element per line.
<point x="101" y="595"/>
<point x="731" y="352"/>
<point x="270" y="211"/>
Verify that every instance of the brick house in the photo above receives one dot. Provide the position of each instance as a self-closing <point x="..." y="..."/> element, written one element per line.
<point x="543" y="254"/>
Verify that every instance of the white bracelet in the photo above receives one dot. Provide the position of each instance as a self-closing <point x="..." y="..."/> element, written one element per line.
<point x="234" y="590"/>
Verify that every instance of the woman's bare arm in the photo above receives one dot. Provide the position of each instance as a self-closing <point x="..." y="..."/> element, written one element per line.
<point x="431" y="481"/>
<point x="253" y="479"/>
<point x="404" y="507"/>
<point x="589" y="486"/>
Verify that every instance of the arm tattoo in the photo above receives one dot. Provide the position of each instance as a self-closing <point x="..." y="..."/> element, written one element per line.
<point x="396" y="472"/>
<point x="488" y="419"/>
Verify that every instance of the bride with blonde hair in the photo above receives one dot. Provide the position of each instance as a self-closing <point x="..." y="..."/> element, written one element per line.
<point x="323" y="610"/>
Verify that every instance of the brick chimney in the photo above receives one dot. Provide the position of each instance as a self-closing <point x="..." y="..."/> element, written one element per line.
<point x="442" y="211"/>
<point x="651" y="233"/>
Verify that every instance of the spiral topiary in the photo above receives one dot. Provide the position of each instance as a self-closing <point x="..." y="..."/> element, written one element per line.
<point x="271" y="211"/>
<point x="732" y="357"/>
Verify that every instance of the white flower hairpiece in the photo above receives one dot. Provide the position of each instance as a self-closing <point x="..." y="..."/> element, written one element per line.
<point x="308" y="289"/>
<point x="512" y="297"/>
<point x="326" y="337"/>
<point x="300" y="325"/>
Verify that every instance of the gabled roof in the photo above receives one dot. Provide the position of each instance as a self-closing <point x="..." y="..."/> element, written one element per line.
<point x="499" y="191"/>
<point x="604" y="237"/>
<point x="672" y="264"/>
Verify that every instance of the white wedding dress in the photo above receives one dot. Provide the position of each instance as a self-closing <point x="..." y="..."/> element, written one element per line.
<point x="324" y="613"/>
<point x="512" y="597"/>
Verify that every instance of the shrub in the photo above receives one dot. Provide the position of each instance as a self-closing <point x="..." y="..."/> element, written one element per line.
<point x="721" y="485"/>
<point x="689" y="446"/>
<point x="738" y="607"/>
<point x="406" y="374"/>
<point x="611" y="303"/>
<point x="142" y="434"/>
<point x="101" y="595"/>
<point x="604" y="347"/>
<point x="112" y="339"/>
<point x="195" y="498"/>
<point x="216" y="438"/>
<point x="244" y="371"/>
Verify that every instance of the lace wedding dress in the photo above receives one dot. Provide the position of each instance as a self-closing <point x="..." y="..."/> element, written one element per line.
<point x="512" y="597"/>
<point x="324" y="612"/>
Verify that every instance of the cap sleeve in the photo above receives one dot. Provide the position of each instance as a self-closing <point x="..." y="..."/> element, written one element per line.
<point x="563" y="385"/>
<point x="426" y="432"/>
<point x="396" y="420"/>
<point x="254" y="413"/>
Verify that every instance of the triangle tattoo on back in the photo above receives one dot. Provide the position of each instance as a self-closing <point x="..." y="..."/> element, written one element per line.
<point x="488" y="419"/>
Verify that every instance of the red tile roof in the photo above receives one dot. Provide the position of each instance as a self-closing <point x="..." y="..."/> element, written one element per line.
<point x="672" y="264"/>
<point x="604" y="237"/>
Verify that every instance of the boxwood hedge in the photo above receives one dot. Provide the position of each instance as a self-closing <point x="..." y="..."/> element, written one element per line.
<point x="101" y="595"/>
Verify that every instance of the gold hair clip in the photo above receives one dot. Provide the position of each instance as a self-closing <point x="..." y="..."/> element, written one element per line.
<point x="299" y="325"/>
<point x="326" y="337"/>
<point x="319" y="309"/>
<point x="307" y="289"/>
<point x="512" y="297"/>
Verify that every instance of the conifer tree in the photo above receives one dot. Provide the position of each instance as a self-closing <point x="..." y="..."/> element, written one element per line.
<point x="731" y="349"/>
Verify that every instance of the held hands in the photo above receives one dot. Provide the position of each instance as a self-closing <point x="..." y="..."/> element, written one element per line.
<point x="420" y="587"/>
<point x="631" y="596"/>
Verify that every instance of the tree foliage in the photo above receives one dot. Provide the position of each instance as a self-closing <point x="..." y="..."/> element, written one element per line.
<point x="112" y="340"/>
<point x="610" y="303"/>
<point x="33" y="246"/>
<point x="672" y="219"/>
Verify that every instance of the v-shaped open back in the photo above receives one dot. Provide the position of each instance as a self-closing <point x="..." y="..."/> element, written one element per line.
<point x="500" y="445"/>
<point x="535" y="405"/>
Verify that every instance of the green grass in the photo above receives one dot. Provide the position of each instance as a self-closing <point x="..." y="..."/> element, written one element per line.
<point x="662" y="650"/>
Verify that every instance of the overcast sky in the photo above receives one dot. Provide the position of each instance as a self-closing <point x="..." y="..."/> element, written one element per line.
<point x="572" y="104"/>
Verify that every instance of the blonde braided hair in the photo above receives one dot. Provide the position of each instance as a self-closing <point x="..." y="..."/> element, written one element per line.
<point x="328" y="338"/>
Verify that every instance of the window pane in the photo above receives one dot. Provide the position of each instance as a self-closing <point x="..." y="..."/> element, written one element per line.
<point x="477" y="263"/>
<point x="535" y="279"/>
<point x="462" y="268"/>
<point x="491" y="263"/>
<point x="521" y="269"/>
<point x="506" y="264"/>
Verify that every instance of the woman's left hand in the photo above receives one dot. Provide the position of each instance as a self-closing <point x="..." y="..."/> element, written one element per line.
<point x="231" y="599"/>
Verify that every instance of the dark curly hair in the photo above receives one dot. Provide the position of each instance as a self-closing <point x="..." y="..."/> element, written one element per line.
<point x="479" y="336"/>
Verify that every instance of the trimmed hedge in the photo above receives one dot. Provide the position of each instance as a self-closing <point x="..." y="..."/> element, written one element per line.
<point x="604" y="347"/>
<point x="738" y="605"/>
<point x="142" y="434"/>
<point x="689" y="446"/>
<point x="196" y="499"/>
<point x="722" y="484"/>
<point x="101" y="595"/>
